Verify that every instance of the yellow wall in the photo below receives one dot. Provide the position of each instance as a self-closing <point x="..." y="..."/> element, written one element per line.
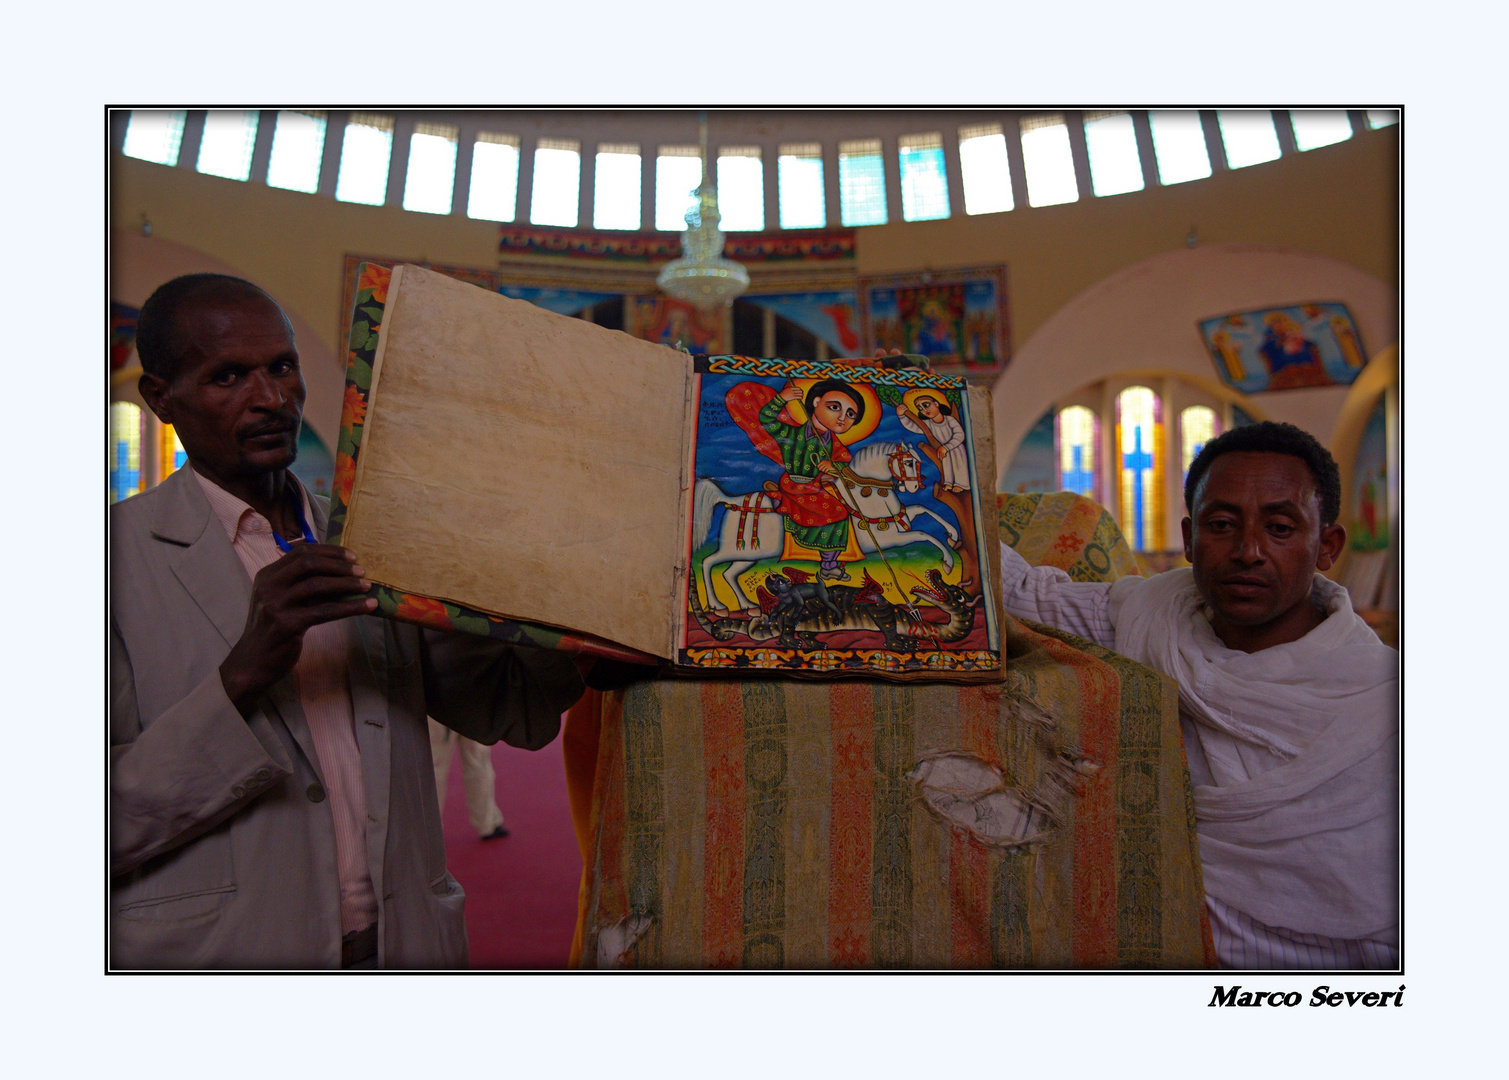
<point x="1339" y="201"/>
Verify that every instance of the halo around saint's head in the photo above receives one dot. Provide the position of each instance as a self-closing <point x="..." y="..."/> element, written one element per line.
<point x="909" y="398"/>
<point x="863" y="429"/>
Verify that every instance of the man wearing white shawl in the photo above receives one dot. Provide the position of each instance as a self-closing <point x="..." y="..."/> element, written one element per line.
<point x="1287" y="701"/>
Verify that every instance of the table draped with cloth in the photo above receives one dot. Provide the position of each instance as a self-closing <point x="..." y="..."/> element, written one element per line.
<point x="1043" y="822"/>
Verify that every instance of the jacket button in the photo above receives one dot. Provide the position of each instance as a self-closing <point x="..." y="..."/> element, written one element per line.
<point x="264" y="775"/>
<point x="237" y="791"/>
<point x="315" y="793"/>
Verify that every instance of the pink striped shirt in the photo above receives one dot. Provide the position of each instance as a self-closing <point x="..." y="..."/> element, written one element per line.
<point x="325" y="694"/>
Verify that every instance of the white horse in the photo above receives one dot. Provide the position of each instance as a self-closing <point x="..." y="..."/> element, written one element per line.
<point x="753" y="532"/>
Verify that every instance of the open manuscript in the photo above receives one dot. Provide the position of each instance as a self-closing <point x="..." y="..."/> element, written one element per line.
<point x="507" y="471"/>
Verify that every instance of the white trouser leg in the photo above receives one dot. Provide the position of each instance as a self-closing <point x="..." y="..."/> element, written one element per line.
<point x="442" y="745"/>
<point x="480" y="782"/>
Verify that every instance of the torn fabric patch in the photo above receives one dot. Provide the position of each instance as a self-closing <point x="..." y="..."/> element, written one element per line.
<point x="975" y="797"/>
<point x="614" y="942"/>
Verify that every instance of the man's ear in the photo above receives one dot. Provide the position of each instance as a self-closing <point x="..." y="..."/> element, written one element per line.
<point x="1187" y="528"/>
<point x="1333" y="538"/>
<point x="155" y="392"/>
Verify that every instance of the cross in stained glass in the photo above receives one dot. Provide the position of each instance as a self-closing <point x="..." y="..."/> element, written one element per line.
<point x="1194" y="452"/>
<point x="126" y="478"/>
<point x="1080" y="478"/>
<point x="1138" y="460"/>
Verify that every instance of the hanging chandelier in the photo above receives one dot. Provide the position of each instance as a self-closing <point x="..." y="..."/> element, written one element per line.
<point x="702" y="276"/>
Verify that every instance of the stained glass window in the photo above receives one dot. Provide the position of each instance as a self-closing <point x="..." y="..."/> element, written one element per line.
<point x="1197" y="426"/>
<point x="154" y="135"/>
<point x="1078" y="451"/>
<point x="1320" y="127"/>
<point x="366" y="152"/>
<point x="861" y="182"/>
<point x="924" y="184"/>
<point x="982" y="160"/>
<point x="1249" y="136"/>
<point x="125" y="450"/>
<point x="1139" y="433"/>
<point x="226" y="147"/>
<point x="170" y="453"/>
<point x="556" y="198"/>
<point x="741" y="189"/>
<point x="430" y="183"/>
<point x="1115" y="165"/>
<point x="799" y="175"/>
<point x="678" y="171"/>
<point x="494" y="194"/>
<point x="298" y="147"/>
<point x="616" y="187"/>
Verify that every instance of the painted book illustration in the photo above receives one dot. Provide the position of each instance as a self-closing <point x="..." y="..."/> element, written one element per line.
<point x="507" y="471"/>
<point x="834" y="526"/>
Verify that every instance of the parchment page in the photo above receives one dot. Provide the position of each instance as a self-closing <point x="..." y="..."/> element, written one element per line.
<point x="523" y="463"/>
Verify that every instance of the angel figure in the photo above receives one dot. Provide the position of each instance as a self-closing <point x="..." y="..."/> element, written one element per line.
<point x="946" y="433"/>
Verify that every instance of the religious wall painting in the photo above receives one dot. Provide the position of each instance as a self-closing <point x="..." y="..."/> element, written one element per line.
<point x="678" y="324"/>
<point x="1287" y="348"/>
<point x="836" y="522"/>
<point x="561" y="301"/>
<point x="958" y="319"/>
<point x="1368" y="500"/>
<point x="830" y="315"/>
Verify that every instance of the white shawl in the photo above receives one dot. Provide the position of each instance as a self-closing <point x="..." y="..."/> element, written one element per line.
<point x="1296" y="813"/>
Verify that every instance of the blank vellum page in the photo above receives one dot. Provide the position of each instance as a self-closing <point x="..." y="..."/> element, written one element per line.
<point x="523" y="463"/>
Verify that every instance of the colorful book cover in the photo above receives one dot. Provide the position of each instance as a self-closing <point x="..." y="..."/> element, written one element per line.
<point x="830" y="513"/>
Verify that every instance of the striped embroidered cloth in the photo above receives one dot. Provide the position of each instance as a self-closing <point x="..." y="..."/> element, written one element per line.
<point x="776" y="824"/>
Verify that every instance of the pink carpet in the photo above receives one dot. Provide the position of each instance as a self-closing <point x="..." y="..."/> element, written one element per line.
<point x="521" y="890"/>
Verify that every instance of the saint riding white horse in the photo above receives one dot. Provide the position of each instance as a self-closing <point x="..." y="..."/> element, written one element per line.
<point x="752" y="531"/>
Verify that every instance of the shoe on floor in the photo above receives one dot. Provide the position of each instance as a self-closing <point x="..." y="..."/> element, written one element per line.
<point x="497" y="834"/>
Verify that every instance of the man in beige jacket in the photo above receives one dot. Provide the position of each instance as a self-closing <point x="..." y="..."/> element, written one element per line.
<point x="272" y="799"/>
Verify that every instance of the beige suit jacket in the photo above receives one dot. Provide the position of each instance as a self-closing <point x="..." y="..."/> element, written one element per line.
<point x="222" y="842"/>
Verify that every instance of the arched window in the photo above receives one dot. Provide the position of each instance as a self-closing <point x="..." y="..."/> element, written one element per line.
<point x="170" y="455"/>
<point x="1077" y="451"/>
<point x="1197" y="426"/>
<point x="1139" y="432"/>
<point x="125" y="450"/>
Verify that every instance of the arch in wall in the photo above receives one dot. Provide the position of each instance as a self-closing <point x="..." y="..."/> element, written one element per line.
<point x="1144" y="318"/>
<point x="1379" y="378"/>
<point x="138" y="264"/>
<point x="1176" y="390"/>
